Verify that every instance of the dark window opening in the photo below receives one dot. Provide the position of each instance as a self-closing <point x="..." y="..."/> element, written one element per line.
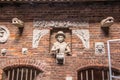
<point x="96" y="74"/>
<point x="20" y="73"/>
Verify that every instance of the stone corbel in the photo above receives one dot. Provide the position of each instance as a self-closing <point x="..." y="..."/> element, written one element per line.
<point x="106" y="23"/>
<point x="18" y="23"/>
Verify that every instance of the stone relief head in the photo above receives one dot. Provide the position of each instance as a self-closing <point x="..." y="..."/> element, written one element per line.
<point x="60" y="36"/>
<point x="99" y="48"/>
<point x="107" y="22"/>
<point x="4" y="34"/>
<point x="17" y="22"/>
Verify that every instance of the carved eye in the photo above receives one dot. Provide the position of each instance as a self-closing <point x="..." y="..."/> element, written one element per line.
<point x="110" y="19"/>
<point x="15" y="21"/>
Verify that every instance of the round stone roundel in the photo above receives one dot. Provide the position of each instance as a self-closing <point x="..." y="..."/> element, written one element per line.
<point x="4" y="34"/>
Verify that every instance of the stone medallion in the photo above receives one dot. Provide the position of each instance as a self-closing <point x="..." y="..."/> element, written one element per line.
<point x="4" y="34"/>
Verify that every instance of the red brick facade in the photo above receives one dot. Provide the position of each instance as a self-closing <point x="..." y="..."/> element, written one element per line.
<point x="91" y="12"/>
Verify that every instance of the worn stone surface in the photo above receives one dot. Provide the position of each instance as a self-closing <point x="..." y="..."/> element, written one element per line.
<point x="37" y="35"/>
<point x="4" y="34"/>
<point x="83" y="35"/>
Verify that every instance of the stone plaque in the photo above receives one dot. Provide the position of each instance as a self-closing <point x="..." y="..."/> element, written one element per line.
<point x="99" y="48"/>
<point x="57" y="24"/>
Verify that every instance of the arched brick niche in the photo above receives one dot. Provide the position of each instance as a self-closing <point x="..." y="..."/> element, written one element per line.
<point x="96" y="73"/>
<point x="22" y="66"/>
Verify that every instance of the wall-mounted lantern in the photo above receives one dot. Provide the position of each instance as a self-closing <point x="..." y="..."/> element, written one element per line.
<point x="3" y="52"/>
<point x="18" y="23"/>
<point x="106" y="23"/>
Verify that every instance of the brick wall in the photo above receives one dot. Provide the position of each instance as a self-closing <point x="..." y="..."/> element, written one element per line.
<point x="92" y="12"/>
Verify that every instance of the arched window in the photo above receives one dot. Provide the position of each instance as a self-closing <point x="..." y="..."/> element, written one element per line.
<point x="20" y="73"/>
<point x="96" y="73"/>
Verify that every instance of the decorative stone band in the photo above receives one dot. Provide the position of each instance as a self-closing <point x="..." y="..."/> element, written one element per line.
<point x="37" y="35"/>
<point x="4" y="34"/>
<point x="61" y="24"/>
<point x="83" y="35"/>
<point x="21" y="62"/>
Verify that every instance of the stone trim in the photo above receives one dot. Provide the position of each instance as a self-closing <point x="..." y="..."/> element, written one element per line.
<point x="59" y="24"/>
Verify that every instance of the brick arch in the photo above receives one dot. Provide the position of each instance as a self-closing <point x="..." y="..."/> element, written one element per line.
<point x="87" y="67"/>
<point x="104" y="69"/>
<point x="23" y="62"/>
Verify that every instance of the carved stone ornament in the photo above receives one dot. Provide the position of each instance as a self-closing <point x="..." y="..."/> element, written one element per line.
<point x="37" y="35"/>
<point x="4" y="34"/>
<point x="60" y="48"/>
<point x="3" y="52"/>
<point x="107" y="22"/>
<point x="64" y="24"/>
<point x="99" y="48"/>
<point x="17" y="22"/>
<point x="24" y="51"/>
<point x="83" y="35"/>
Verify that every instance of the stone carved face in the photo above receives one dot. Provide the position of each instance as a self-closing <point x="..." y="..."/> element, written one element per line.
<point x="60" y="38"/>
<point x="4" y="34"/>
<point x="100" y="49"/>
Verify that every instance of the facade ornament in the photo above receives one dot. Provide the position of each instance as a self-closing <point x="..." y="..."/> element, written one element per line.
<point x="4" y="34"/>
<point x="107" y="22"/>
<point x="99" y="48"/>
<point x="83" y="35"/>
<point x="57" y="24"/>
<point x="3" y="52"/>
<point x="60" y="48"/>
<point x="17" y="22"/>
<point x="24" y="51"/>
<point x="37" y="35"/>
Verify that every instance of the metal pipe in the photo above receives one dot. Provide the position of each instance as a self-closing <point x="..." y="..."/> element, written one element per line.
<point x="81" y="76"/>
<point x="109" y="59"/>
<point x="13" y="74"/>
<point x="92" y="74"/>
<point x="22" y="74"/>
<point x="17" y="73"/>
